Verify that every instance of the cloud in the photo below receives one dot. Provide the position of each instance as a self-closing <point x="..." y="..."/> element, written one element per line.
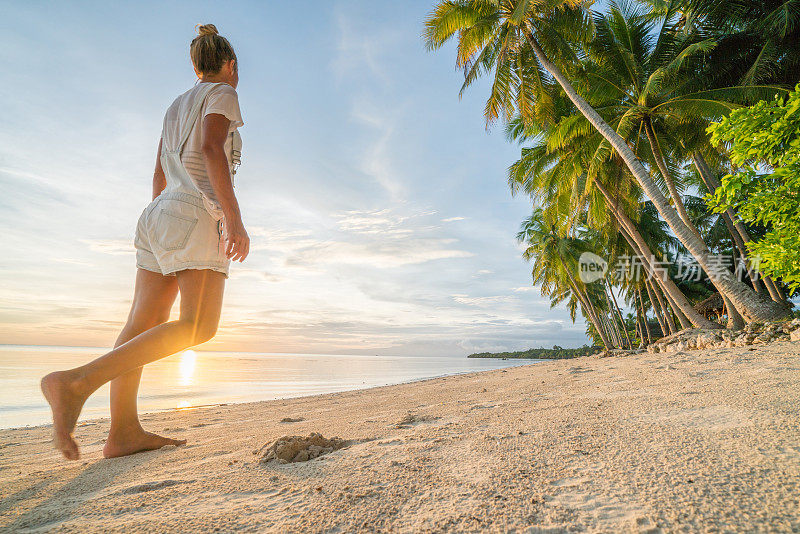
<point x="110" y="246"/>
<point x="358" y="49"/>
<point x="382" y="221"/>
<point x="453" y="219"/>
<point x="380" y="254"/>
<point x="376" y="157"/>
<point x="483" y="301"/>
<point x="244" y="272"/>
<point x="380" y="238"/>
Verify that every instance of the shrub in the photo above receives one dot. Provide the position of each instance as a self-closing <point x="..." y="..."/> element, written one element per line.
<point x="765" y="189"/>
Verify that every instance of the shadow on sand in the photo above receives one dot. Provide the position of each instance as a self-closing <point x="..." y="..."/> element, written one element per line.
<point x="60" y="506"/>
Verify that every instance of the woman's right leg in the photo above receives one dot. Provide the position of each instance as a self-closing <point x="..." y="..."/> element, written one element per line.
<point x="66" y="391"/>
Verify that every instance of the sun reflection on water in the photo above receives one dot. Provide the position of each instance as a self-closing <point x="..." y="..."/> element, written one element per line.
<point x="187" y="366"/>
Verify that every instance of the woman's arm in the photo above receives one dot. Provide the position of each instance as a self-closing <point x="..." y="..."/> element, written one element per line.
<point x="215" y="133"/>
<point x="159" y="180"/>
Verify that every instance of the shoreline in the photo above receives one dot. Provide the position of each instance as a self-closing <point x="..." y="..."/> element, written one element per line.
<point x="255" y="402"/>
<point x="669" y="442"/>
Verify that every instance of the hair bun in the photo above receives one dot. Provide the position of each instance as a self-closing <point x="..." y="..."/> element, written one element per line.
<point x="206" y="29"/>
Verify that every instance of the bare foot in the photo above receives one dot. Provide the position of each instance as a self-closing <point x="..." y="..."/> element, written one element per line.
<point x="131" y="441"/>
<point x="65" y="403"/>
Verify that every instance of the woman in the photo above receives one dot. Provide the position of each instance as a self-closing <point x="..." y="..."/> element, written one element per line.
<point x="185" y="240"/>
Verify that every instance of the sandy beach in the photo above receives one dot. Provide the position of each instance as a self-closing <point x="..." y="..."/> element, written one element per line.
<point x="692" y="441"/>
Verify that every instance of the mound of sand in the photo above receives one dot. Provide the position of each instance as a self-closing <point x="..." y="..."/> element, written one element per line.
<point x="300" y="449"/>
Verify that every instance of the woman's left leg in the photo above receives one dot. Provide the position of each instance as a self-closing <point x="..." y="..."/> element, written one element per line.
<point x="154" y="296"/>
<point x="66" y="391"/>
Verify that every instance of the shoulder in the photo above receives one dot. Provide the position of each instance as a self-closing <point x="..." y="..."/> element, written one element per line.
<point x="223" y="99"/>
<point x="223" y="89"/>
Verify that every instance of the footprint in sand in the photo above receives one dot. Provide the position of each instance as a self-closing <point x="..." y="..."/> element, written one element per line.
<point x="482" y="406"/>
<point x="412" y="419"/>
<point x="152" y="486"/>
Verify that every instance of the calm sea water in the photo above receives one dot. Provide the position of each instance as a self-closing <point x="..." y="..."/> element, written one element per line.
<point x="197" y="378"/>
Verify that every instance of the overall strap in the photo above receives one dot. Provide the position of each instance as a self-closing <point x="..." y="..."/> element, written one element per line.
<point x="191" y="118"/>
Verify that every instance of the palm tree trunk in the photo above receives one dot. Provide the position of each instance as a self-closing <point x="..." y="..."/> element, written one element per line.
<point x="613" y="319"/>
<point x="641" y="324"/>
<point x="753" y="306"/>
<point x="667" y="311"/>
<point x="587" y="307"/>
<point x="638" y="244"/>
<point x="738" y="244"/>
<point x="735" y="321"/>
<point x="644" y="315"/>
<point x="619" y="315"/>
<point x="612" y="328"/>
<point x="685" y="323"/>
<point x="594" y="318"/>
<point x="656" y="309"/>
<point x="737" y="233"/>
<point x="639" y="328"/>
<point x="712" y="184"/>
<point x="658" y="155"/>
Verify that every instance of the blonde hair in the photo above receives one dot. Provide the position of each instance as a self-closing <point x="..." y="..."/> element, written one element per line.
<point x="209" y="50"/>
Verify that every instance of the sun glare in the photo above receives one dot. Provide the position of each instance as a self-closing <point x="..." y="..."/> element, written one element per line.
<point x="187" y="366"/>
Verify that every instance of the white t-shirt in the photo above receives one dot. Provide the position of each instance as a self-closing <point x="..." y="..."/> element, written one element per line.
<point x="223" y="100"/>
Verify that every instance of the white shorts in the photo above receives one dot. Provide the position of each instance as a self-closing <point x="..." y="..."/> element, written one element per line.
<point x="176" y="232"/>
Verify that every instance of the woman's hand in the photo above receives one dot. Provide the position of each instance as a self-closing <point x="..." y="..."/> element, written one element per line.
<point x="237" y="242"/>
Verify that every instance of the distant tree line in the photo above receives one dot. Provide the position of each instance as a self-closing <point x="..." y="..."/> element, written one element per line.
<point x="556" y="353"/>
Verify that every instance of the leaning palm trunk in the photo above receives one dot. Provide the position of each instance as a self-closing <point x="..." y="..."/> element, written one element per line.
<point x="685" y="323"/>
<point x="638" y="244"/>
<point x="737" y="231"/>
<point x="641" y="318"/>
<point x="613" y="320"/>
<point x="639" y="329"/>
<point x="735" y="321"/>
<point x="587" y="307"/>
<point x="753" y="306"/>
<point x="656" y="309"/>
<point x="619" y="316"/>
<point x="612" y="328"/>
<point x="658" y="155"/>
<point x="738" y="244"/>
<point x="712" y="183"/>
<point x="666" y="309"/>
<point x="644" y="315"/>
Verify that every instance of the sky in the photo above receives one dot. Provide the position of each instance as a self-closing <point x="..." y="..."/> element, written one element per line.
<point x="376" y="200"/>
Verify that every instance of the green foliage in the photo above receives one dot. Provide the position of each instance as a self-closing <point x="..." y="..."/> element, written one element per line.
<point x="556" y="353"/>
<point x="765" y="137"/>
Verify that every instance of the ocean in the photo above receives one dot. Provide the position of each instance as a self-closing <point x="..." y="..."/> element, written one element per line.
<point x="195" y="378"/>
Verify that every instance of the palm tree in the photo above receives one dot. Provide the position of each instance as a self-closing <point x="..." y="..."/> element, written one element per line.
<point x="638" y="73"/>
<point x="500" y="35"/>
<point x="635" y="70"/>
<point x="758" y="41"/>
<point x="554" y="266"/>
<point x="561" y="173"/>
